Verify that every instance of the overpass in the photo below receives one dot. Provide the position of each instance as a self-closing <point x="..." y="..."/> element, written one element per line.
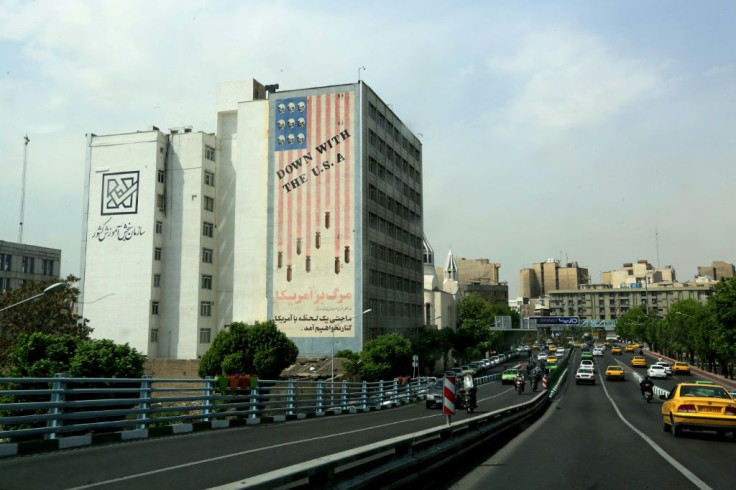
<point x="572" y="445"/>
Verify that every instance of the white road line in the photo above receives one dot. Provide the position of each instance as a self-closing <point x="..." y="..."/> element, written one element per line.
<point x="241" y="453"/>
<point x="685" y="472"/>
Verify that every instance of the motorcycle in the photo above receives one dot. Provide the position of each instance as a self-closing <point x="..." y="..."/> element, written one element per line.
<point x="647" y="394"/>
<point x="534" y="384"/>
<point x="472" y="400"/>
<point x="519" y="386"/>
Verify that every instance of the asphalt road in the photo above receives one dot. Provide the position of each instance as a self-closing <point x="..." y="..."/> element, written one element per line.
<point x="605" y="436"/>
<point x="602" y="436"/>
<point x="205" y="459"/>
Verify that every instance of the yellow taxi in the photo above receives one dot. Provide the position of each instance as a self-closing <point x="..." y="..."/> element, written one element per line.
<point x="615" y="372"/>
<point x="577" y="344"/>
<point x="535" y="346"/>
<point x="551" y="360"/>
<point x="699" y="407"/>
<point x="616" y="349"/>
<point x="553" y="348"/>
<point x="681" y="368"/>
<point x="630" y="348"/>
<point x="639" y="361"/>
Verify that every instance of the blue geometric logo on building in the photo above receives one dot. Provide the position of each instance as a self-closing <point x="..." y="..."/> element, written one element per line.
<point x="120" y="193"/>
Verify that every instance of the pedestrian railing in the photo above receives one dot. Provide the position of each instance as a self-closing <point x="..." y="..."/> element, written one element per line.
<point x="47" y="408"/>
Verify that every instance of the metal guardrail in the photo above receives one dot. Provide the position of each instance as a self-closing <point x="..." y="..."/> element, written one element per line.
<point x="44" y="414"/>
<point x="397" y="462"/>
<point x="48" y="408"/>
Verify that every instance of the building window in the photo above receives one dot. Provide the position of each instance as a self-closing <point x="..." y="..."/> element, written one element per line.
<point x="27" y="265"/>
<point x="5" y="261"/>
<point x="209" y="153"/>
<point x="205" y="334"/>
<point x="209" y="178"/>
<point x="154" y="335"/>
<point x="157" y="280"/>
<point x="4" y="284"/>
<point x="208" y="229"/>
<point x="157" y="253"/>
<point x="206" y="281"/>
<point x="159" y="227"/>
<point x="161" y="177"/>
<point x="154" y="307"/>
<point x="209" y="203"/>
<point x="207" y="254"/>
<point x="160" y="202"/>
<point x="47" y="267"/>
<point x="205" y="308"/>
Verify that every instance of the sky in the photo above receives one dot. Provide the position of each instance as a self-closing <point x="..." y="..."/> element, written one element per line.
<point x="601" y="132"/>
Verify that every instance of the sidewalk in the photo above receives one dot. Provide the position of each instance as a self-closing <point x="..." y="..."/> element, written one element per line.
<point x="698" y="371"/>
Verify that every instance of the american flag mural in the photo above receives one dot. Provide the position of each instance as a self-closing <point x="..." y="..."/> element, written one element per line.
<point x="315" y="168"/>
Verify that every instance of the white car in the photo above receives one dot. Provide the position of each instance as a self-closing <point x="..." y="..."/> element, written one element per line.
<point x="585" y="375"/>
<point x="597" y="352"/>
<point x="541" y="356"/>
<point x="559" y="354"/>
<point x="656" y="371"/>
<point x="666" y="366"/>
<point x="586" y="363"/>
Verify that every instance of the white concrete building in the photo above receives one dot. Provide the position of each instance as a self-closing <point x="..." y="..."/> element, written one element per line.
<point x="149" y="242"/>
<point x="306" y="209"/>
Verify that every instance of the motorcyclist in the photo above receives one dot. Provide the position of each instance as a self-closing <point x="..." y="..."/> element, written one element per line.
<point x="520" y="380"/>
<point x="646" y="385"/>
<point x="473" y="396"/>
<point x="535" y="378"/>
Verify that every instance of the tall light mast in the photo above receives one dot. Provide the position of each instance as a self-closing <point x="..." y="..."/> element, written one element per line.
<point x="23" y="189"/>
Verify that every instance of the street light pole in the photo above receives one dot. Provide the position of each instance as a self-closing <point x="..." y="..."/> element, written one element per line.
<point x="332" y="362"/>
<point x="48" y="290"/>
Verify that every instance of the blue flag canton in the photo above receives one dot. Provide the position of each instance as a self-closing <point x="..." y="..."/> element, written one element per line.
<point x="291" y="124"/>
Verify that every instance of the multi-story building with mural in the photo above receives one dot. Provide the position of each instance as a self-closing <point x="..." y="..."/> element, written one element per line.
<point x="305" y="207"/>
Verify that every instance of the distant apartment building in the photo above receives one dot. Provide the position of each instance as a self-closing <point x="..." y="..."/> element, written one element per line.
<point x="20" y="263"/>
<point x="605" y="302"/>
<point x="479" y="277"/>
<point x="639" y="274"/>
<point x="545" y="277"/>
<point x="717" y="271"/>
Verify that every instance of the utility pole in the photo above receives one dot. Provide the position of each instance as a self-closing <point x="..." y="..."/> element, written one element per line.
<point x="23" y="188"/>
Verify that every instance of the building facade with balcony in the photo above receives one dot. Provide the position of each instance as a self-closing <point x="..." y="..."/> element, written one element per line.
<point x="603" y="302"/>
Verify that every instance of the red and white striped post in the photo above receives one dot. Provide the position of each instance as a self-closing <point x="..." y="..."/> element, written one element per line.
<point x="544" y="381"/>
<point x="448" y="397"/>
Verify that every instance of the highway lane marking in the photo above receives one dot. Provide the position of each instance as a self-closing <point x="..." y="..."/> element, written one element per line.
<point x="241" y="453"/>
<point x="679" y="467"/>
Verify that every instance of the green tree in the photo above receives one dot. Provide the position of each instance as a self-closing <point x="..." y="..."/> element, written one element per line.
<point x="723" y="306"/>
<point x="41" y="355"/>
<point x="53" y="313"/>
<point x="636" y="324"/>
<point x="260" y="349"/>
<point x="382" y="358"/>
<point x="683" y="322"/>
<point x="104" y="358"/>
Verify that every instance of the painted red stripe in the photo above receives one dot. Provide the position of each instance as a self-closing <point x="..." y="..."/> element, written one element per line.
<point x="317" y="136"/>
<point x="280" y="205"/>
<point x="328" y="182"/>
<point x="336" y="170"/>
<point x="310" y="176"/>
<point x="347" y="163"/>
<point x="289" y="218"/>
